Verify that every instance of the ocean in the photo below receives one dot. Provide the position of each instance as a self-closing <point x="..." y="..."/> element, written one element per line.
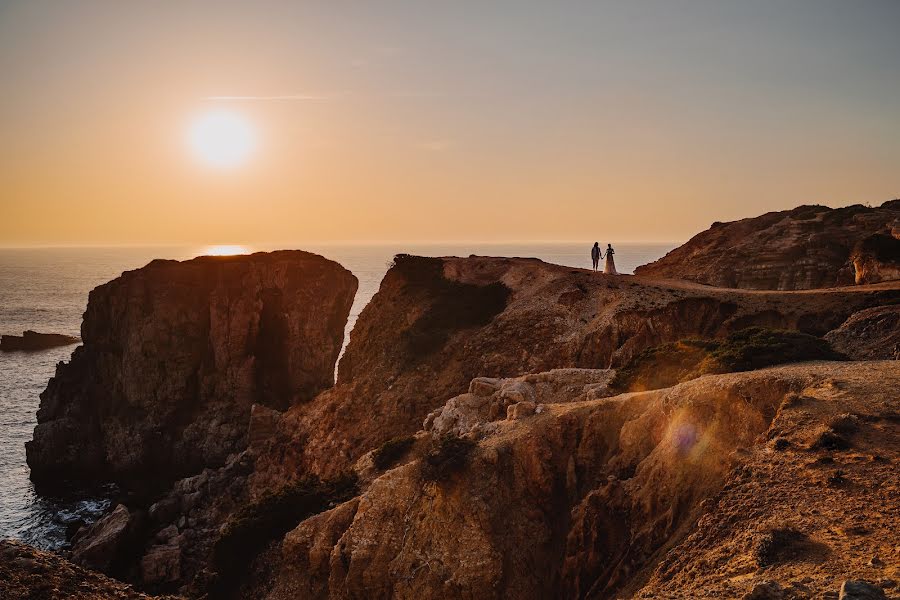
<point x="46" y="289"/>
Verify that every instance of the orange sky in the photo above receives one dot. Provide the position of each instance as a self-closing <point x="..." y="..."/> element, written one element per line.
<point x="560" y="121"/>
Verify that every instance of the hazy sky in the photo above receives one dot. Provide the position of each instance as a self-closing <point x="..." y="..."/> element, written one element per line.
<point x="514" y="121"/>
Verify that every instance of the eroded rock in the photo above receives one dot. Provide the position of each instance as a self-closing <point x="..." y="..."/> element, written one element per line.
<point x="174" y="356"/>
<point x="805" y="248"/>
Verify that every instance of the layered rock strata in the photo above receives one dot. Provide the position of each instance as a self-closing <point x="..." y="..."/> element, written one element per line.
<point x="804" y="248"/>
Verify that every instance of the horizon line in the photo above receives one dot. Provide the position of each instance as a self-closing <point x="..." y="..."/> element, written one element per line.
<point x="294" y="245"/>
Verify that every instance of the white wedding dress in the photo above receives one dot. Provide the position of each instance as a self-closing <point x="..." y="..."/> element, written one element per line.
<point x="610" y="268"/>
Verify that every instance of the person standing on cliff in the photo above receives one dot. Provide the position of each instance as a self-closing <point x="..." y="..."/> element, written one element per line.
<point x="595" y="255"/>
<point x="610" y="263"/>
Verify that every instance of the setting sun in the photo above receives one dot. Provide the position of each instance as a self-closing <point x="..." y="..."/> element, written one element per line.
<point x="225" y="250"/>
<point x="222" y="138"/>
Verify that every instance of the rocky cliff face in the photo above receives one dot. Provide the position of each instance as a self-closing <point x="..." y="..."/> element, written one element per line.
<point x="705" y="489"/>
<point x="433" y="327"/>
<point x="877" y="258"/>
<point x="805" y="248"/>
<point x="174" y="356"/>
<point x="418" y="343"/>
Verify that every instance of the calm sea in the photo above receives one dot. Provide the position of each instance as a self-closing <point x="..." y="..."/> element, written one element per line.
<point x="46" y="289"/>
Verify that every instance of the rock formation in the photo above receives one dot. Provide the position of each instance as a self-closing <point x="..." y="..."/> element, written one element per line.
<point x="31" y="341"/>
<point x="877" y="258"/>
<point x="520" y="335"/>
<point x="29" y="574"/>
<point x="175" y="354"/>
<point x="870" y="334"/>
<point x="805" y="248"/>
<point x="412" y="347"/>
<point x="706" y="489"/>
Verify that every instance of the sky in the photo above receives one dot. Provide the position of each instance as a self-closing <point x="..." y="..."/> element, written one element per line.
<point x="440" y="121"/>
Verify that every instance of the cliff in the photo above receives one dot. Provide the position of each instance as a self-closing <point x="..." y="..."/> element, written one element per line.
<point x="418" y="342"/>
<point x="706" y="489"/>
<point x="805" y="248"/>
<point x="175" y="354"/>
<point x="434" y="326"/>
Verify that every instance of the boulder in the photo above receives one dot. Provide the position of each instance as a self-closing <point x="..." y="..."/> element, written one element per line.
<point x="853" y="589"/>
<point x="520" y="410"/>
<point x="31" y="341"/>
<point x="765" y="590"/>
<point x="106" y="540"/>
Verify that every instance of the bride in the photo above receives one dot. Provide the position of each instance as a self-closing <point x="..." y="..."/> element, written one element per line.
<point x="610" y="268"/>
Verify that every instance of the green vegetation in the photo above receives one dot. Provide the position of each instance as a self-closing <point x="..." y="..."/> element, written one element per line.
<point x="391" y="451"/>
<point x="257" y="525"/>
<point x="744" y="350"/>
<point x="452" y="306"/>
<point x="448" y="455"/>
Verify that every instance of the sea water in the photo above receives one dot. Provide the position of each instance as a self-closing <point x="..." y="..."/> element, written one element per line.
<point x="46" y="289"/>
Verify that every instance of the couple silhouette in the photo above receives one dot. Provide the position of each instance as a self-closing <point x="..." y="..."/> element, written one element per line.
<point x="597" y="254"/>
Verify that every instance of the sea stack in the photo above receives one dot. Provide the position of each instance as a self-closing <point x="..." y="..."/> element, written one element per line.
<point x="175" y="354"/>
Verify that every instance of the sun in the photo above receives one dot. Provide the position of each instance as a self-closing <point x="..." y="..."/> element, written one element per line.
<point x="225" y="250"/>
<point x="222" y="138"/>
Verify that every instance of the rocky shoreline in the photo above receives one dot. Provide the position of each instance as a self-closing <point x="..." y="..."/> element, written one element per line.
<point x="476" y="441"/>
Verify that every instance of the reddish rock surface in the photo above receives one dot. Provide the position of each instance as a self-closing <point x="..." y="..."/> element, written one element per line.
<point x="869" y="334"/>
<point x="662" y="494"/>
<point x="174" y="356"/>
<point x="552" y="317"/>
<point x="30" y="574"/>
<point x="804" y="248"/>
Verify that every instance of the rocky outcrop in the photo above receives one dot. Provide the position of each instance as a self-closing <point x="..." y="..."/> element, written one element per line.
<point x="107" y="541"/>
<point x="418" y="343"/>
<point x="805" y="248"/>
<point x="663" y="494"/>
<point x="28" y="574"/>
<point x="870" y="334"/>
<point x="475" y="414"/>
<point x="434" y="326"/>
<point x="877" y="258"/>
<point x="31" y="341"/>
<point x="174" y="356"/>
<point x="815" y="502"/>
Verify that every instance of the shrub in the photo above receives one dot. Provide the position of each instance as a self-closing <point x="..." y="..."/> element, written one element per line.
<point x="448" y="456"/>
<point x="391" y="451"/>
<point x="758" y="347"/>
<point x="744" y="350"/>
<point x="779" y="545"/>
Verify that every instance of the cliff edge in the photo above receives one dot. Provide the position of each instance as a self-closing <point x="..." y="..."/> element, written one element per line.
<point x="805" y="248"/>
<point x="175" y="354"/>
